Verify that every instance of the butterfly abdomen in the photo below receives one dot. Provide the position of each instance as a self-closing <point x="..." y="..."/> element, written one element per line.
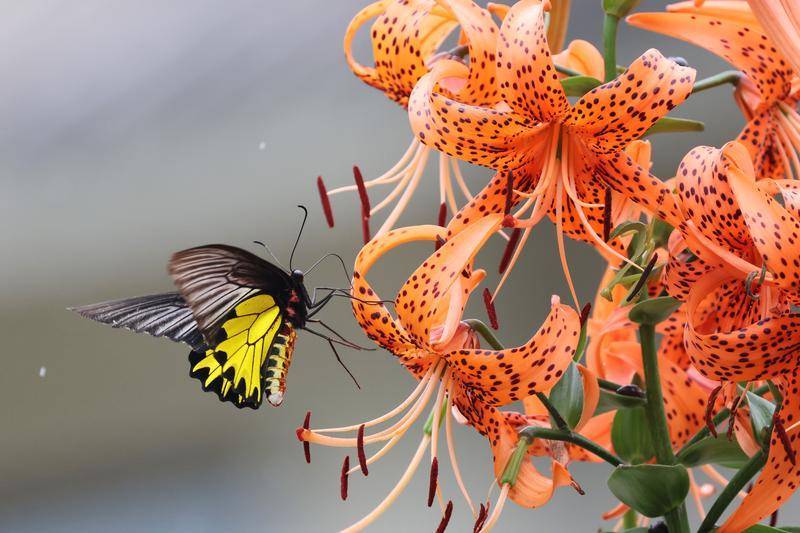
<point x="278" y="361"/>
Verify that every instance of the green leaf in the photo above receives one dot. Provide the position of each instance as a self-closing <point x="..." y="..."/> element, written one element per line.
<point x="761" y="411"/>
<point x="610" y="401"/>
<point x="675" y="125"/>
<point x="654" y="310"/>
<point x="714" y="450"/>
<point x="652" y="490"/>
<point x="630" y="435"/>
<point x="627" y="227"/>
<point x="567" y="395"/>
<point x="579" y="85"/>
<point x="661" y="232"/>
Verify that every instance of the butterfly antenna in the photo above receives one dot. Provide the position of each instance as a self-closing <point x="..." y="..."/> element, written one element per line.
<point x="345" y="294"/>
<point x="270" y="253"/>
<point x="299" y="233"/>
<point x="341" y="261"/>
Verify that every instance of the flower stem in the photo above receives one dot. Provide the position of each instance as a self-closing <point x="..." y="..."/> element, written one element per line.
<point x="483" y="330"/>
<point x="736" y="484"/>
<point x="534" y="432"/>
<point x="677" y="520"/>
<point x="629" y="519"/>
<point x="559" y="420"/>
<point x="729" y="76"/>
<point x="610" y="24"/>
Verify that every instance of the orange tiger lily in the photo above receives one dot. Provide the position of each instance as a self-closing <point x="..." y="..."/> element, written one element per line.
<point x="563" y="157"/>
<point x="766" y="95"/>
<point x="739" y="324"/>
<point x="781" y="21"/>
<point x="432" y="343"/>
<point x="406" y="38"/>
<point x="614" y="353"/>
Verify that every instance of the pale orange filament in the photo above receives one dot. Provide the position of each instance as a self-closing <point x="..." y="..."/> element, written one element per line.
<point x="460" y="180"/>
<point x="398" y="428"/>
<point x="498" y="509"/>
<point x="451" y="451"/>
<point x="407" y="194"/>
<point x="697" y="496"/>
<point x="719" y="478"/>
<point x="561" y="250"/>
<point x="396" y="491"/>
<point x="390" y="176"/>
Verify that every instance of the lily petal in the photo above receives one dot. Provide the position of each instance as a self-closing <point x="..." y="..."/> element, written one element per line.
<point x="612" y="115"/>
<point x="445" y="278"/>
<point x="375" y="319"/>
<point x="743" y="45"/>
<point x="506" y="376"/>
<point x="527" y="78"/>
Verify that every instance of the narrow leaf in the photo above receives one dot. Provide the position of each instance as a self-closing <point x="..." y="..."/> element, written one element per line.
<point x="567" y="395"/>
<point x="654" y="310"/>
<point x="579" y="85"/>
<point x="631" y="436"/>
<point x="719" y="451"/>
<point x="675" y="125"/>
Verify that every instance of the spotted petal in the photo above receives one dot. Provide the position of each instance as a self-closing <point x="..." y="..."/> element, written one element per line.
<point x="509" y="375"/>
<point x="527" y="78"/>
<point x="436" y="293"/>
<point x="612" y="115"/>
<point x="375" y="319"/>
<point x="743" y="45"/>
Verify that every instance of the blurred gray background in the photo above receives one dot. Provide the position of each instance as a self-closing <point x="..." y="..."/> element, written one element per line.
<point x="130" y="129"/>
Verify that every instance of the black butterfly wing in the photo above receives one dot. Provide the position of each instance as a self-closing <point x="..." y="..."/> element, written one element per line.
<point x="214" y="279"/>
<point x="161" y="315"/>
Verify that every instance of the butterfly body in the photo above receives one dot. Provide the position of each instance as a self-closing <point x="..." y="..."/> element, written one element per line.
<point x="239" y="314"/>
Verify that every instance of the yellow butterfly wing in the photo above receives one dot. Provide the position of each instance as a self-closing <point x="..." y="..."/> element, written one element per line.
<point x="251" y="354"/>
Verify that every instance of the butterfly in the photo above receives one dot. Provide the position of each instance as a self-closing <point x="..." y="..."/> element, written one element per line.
<point x="238" y="312"/>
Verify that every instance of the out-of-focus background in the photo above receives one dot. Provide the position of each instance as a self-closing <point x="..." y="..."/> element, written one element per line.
<point x="130" y="129"/>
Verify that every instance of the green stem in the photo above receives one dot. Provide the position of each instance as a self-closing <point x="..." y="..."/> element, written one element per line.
<point x="677" y="520"/>
<point x="736" y="484"/>
<point x="729" y="76"/>
<point x="559" y="420"/>
<point x="511" y="470"/>
<point x="610" y="24"/>
<point x="567" y="71"/>
<point x="629" y="519"/>
<point x="483" y="330"/>
<point x="534" y="432"/>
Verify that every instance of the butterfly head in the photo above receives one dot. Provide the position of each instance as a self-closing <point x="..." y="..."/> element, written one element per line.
<point x="298" y="276"/>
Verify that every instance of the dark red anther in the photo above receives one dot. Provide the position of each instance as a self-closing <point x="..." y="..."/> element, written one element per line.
<point x="712" y="399"/>
<point x="585" y="312"/>
<point x="509" y="193"/>
<point x="362" y="455"/>
<point x="306" y="444"/>
<point x="344" y="477"/>
<point x="365" y="228"/>
<point x="509" y="251"/>
<point x="490" y="310"/>
<point x="482" y="515"/>
<point x="509" y="221"/>
<point x="439" y="242"/>
<point x="732" y="417"/>
<point x="607" y="215"/>
<point x="362" y="190"/>
<point x="578" y="488"/>
<point x="434" y="480"/>
<point x="777" y="426"/>
<point x="442" y="220"/>
<point x="448" y="512"/>
<point x="326" y="201"/>
<point x="642" y="281"/>
<point x="773" y="519"/>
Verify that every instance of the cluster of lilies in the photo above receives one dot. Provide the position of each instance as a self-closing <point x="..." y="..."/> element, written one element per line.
<point x="708" y="259"/>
